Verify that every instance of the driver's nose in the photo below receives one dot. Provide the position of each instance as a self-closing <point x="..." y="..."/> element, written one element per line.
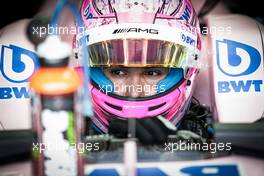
<point x="135" y="86"/>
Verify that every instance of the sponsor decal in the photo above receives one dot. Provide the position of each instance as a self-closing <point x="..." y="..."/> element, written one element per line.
<point x="86" y="13"/>
<point x="237" y="60"/>
<point x="203" y="170"/>
<point x="17" y="65"/>
<point x="188" y="40"/>
<point x="186" y="14"/>
<point x="136" y="30"/>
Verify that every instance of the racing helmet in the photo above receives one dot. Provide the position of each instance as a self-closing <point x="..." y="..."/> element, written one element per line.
<point x="140" y="33"/>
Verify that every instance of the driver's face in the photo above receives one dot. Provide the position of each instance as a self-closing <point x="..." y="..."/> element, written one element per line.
<point x="135" y="82"/>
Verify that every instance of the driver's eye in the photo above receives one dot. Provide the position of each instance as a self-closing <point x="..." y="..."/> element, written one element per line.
<point x="118" y="72"/>
<point x="152" y="73"/>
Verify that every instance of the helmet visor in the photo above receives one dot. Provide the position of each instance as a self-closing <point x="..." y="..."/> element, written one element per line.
<point x="138" y="53"/>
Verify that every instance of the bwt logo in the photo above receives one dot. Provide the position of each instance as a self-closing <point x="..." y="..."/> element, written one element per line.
<point x="187" y="39"/>
<point x="186" y="14"/>
<point x="17" y="64"/>
<point x="86" y="13"/>
<point x="236" y="59"/>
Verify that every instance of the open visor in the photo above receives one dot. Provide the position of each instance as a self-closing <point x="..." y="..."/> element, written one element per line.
<point x="139" y="53"/>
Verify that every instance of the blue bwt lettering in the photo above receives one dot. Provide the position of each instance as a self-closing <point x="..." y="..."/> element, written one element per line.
<point x="239" y="86"/>
<point x="14" y="92"/>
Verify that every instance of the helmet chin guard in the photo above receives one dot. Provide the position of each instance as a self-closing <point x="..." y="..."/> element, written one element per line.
<point x="170" y="103"/>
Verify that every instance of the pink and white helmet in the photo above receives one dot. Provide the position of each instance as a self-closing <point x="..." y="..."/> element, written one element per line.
<point x="141" y="33"/>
